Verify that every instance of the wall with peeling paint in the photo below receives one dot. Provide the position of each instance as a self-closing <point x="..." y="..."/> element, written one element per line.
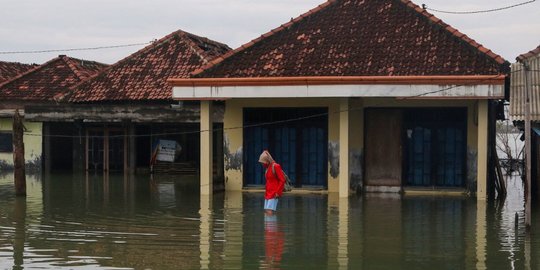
<point x="233" y="142"/>
<point x="32" y="146"/>
<point x="356" y="144"/>
<point x="233" y="135"/>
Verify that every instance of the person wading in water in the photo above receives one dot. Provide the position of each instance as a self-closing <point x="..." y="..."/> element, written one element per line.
<point x="275" y="181"/>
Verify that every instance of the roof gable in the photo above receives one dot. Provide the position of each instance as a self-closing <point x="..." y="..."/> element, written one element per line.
<point x="143" y="75"/>
<point x="47" y="81"/>
<point x="358" y="38"/>
<point x="9" y="70"/>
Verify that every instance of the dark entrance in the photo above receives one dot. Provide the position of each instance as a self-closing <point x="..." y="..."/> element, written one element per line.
<point x="300" y="146"/>
<point x="106" y="149"/>
<point x="60" y="138"/>
<point x="435" y="147"/>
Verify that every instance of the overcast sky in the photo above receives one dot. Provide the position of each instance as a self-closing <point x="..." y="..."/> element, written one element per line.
<point x="59" y="24"/>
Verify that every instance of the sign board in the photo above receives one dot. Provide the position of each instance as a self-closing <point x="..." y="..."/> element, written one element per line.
<point x="167" y="150"/>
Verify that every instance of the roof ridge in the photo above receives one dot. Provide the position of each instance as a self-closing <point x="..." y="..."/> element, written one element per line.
<point x="195" y="48"/>
<point x="151" y="46"/>
<point x="183" y="35"/>
<point x="205" y="57"/>
<point x="72" y="66"/>
<point x="221" y="58"/>
<point x="206" y="39"/>
<point x="32" y="70"/>
<point x="77" y="64"/>
<point x="499" y="59"/>
<point x="154" y="44"/>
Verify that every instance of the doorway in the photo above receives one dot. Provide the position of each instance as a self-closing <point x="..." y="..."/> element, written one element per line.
<point x="297" y="138"/>
<point x="435" y="147"/>
<point x="106" y="149"/>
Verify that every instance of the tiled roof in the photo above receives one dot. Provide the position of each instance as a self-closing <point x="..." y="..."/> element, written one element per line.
<point x="49" y="80"/>
<point x="358" y="38"/>
<point x="9" y="70"/>
<point x="529" y="54"/>
<point x="143" y="75"/>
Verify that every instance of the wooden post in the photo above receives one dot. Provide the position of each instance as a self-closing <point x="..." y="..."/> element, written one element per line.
<point x="18" y="155"/>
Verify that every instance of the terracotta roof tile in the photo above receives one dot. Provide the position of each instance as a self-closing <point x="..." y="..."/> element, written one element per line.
<point x="9" y="70"/>
<point x="49" y="80"/>
<point x="358" y="38"/>
<point x="144" y="74"/>
<point x="529" y="54"/>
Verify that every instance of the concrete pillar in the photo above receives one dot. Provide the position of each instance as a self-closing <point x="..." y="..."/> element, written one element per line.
<point x="482" y="160"/>
<point x="344" y="148"/>
<point x="206" y="174"/>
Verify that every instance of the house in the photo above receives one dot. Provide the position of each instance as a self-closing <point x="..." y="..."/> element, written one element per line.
<point x="371" y="95"/>
<point x="528" y="62"/>
<point x="8" y="70"/>
<point x="122" y="113"/>
<point x="38" y="85"/>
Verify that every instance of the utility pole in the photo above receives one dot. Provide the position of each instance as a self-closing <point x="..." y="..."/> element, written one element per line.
<point x="528" y="163"/>
<point x="18" y="155"/>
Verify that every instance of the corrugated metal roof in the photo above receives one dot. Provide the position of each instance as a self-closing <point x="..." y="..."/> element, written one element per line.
<point x="517" y="89"/>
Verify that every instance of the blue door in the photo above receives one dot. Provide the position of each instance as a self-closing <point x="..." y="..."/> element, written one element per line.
<point x="435" y="145"/>
<point x="313" y="153"/>
<point x="299" y="146"/>
<point x="255" y="139"/>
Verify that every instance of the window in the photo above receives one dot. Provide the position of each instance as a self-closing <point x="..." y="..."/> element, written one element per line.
<point x="6" y="142"/>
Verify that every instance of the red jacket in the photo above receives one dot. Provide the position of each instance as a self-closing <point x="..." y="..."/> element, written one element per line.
<point x="274" y="182"/>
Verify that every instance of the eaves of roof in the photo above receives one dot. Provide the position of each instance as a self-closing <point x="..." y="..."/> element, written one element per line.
<point x="340" y="80"/>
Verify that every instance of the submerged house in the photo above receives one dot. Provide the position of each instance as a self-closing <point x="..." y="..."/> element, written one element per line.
<point x="39" y="85"/>
<point x="375" y="95"/>
<point x="528" y="62"/>
<point x="114" y="120"/>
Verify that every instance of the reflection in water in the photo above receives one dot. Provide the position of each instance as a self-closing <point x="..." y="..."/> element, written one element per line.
<point x="273" y="243"/>
<point x="205" y="230"/>
<point x="125" y="221"/>
<point x="19" y="218"/>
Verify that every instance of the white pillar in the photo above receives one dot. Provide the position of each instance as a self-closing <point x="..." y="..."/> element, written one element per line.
<point x="481" y="181"/>
<point x="344" y="148"/>
<point x="206" y="174"/>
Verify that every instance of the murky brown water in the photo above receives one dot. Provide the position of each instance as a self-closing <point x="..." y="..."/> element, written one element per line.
<point x="75" y="222"/>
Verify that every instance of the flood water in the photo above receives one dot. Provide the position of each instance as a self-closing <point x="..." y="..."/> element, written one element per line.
<point x="117" y="222"/>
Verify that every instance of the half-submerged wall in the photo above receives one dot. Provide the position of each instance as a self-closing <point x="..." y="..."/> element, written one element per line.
<point x="32" y="145"/>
